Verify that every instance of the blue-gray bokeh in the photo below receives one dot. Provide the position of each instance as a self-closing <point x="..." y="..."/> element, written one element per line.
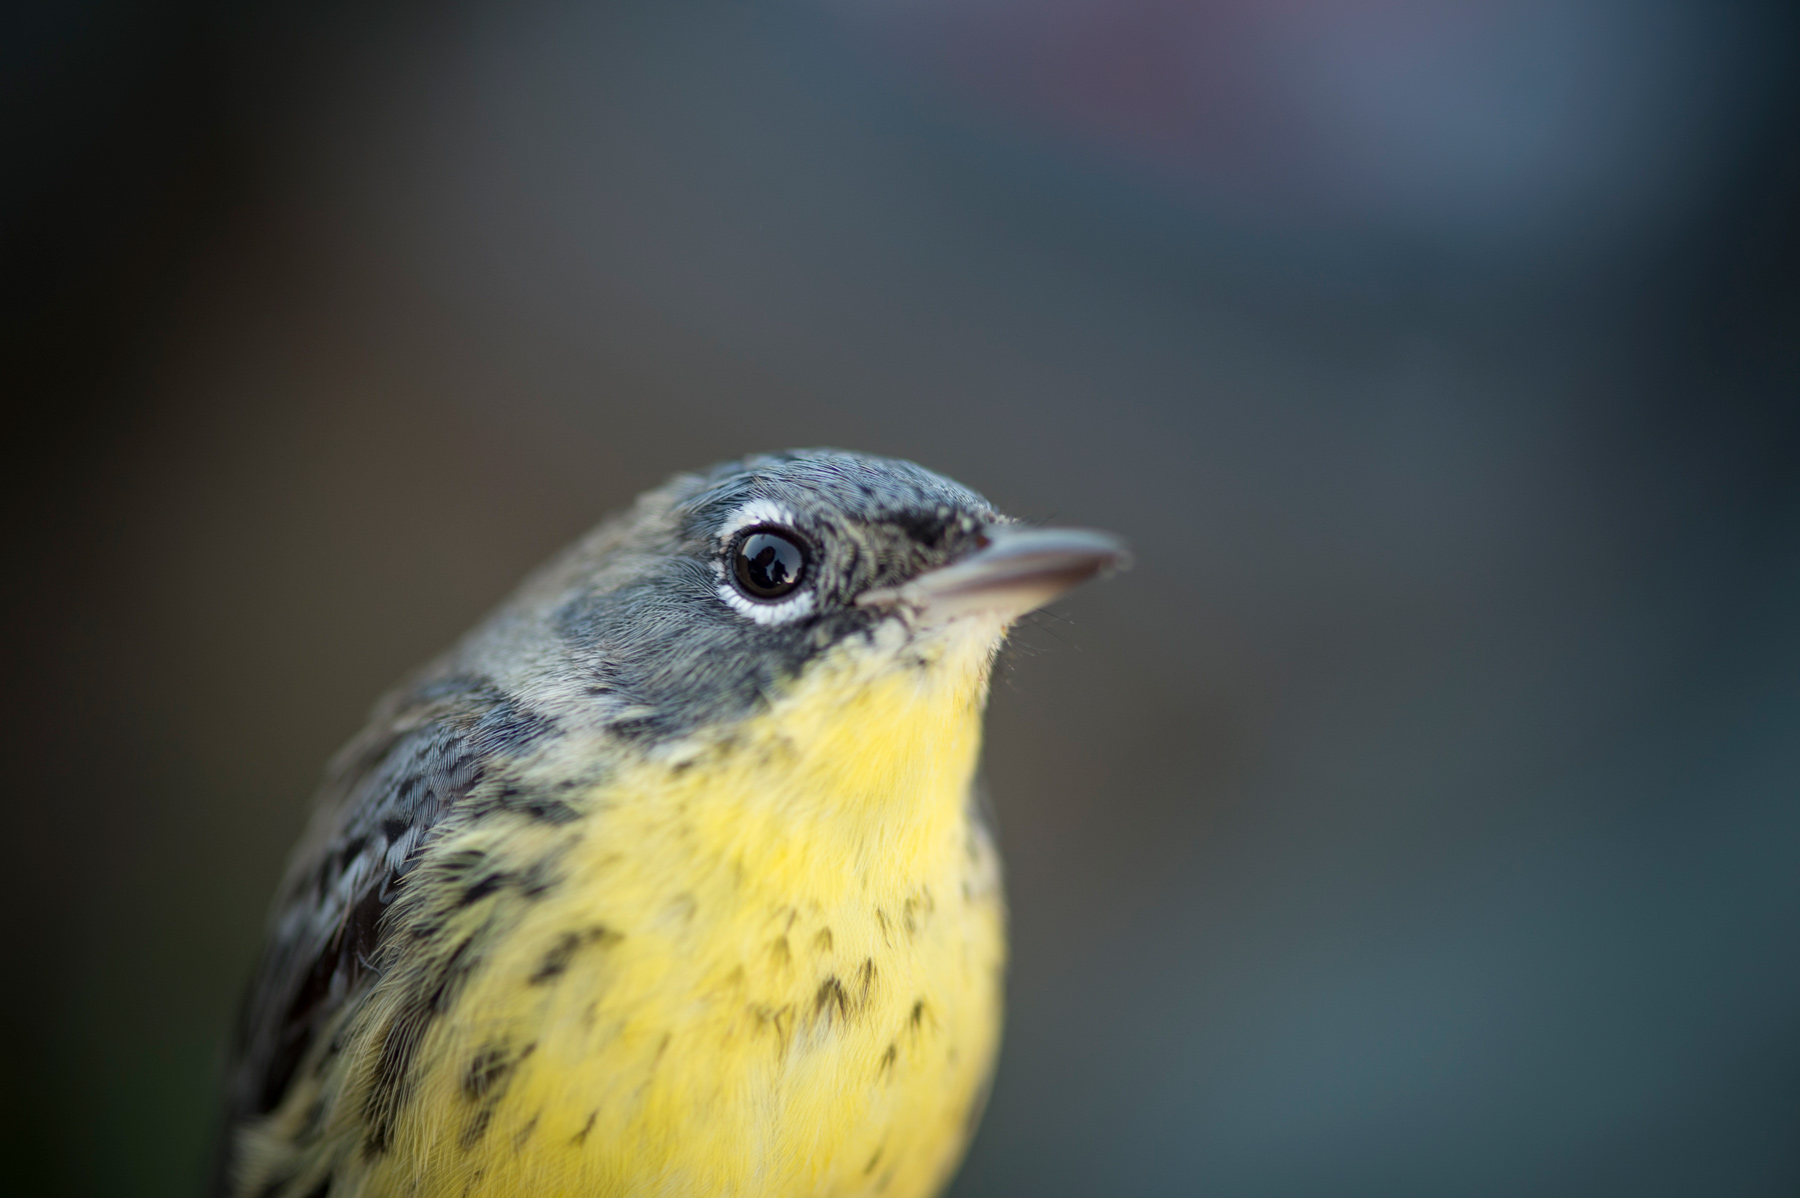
<point x="1419" y="818"/>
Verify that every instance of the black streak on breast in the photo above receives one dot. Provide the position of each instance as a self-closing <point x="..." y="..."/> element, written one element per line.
<point x="556" y="961"/>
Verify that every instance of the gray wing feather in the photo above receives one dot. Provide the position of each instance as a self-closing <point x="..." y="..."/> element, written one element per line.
<point x="423" y="753"/>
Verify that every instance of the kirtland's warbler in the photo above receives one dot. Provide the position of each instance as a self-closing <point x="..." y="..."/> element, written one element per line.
<point x="671" y="878"/>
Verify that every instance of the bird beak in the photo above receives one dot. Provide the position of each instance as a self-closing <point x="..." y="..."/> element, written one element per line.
<point x="1016" y="571"/>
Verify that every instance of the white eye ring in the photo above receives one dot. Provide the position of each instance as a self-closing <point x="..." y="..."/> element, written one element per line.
<point x="768" y="613"/>
<point x="759" y="511"/>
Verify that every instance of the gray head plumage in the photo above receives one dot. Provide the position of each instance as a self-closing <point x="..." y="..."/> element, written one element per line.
<point x="637" y="627"/>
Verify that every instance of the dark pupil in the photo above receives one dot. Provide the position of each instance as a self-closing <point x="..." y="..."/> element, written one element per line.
<point x="768" y="565"/>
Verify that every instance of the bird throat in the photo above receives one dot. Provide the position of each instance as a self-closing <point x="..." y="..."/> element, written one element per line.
<point x="860" y="771"/>
<point x="764" y="961"/>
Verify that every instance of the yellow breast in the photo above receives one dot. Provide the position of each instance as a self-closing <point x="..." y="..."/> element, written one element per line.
<point x="764" y="961"/>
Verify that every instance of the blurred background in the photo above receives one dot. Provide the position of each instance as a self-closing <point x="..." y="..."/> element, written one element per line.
<point x="1420" y="817"/>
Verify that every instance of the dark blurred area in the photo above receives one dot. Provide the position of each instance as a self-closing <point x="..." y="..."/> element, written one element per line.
<point x="1420" y="817"/>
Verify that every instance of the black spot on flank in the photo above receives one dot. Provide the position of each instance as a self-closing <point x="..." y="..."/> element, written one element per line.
<point x="916" y="909"/>
<point x="886" y="1068"/>
<point x="778" y="1019"/>
<point x="917" y="1018"/>
<point x="582" y="1135"/>
<point x="524" y="1133"/>
<point x="482" y="888"/>
<point x="462" y="862"/>
<point x="538" y="880"/>
<point x="556" y="961"/>
<point x="831" y="997"/>
<point x="822" y="942"/>
<point x="485" y="1070"/>
<point x="535" y="804"/>
<point x="865" y="980"/>
<point x="322" y="1190"/>
<point x="873" y="1161"/>
<point x="476" y="1128"/>
<point x="484" y="1080"/>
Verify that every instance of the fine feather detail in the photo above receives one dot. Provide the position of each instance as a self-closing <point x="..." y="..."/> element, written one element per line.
<point x="612" y="650"/>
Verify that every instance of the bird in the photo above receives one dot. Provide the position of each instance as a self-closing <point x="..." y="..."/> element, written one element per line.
<point x="674" y="876"/>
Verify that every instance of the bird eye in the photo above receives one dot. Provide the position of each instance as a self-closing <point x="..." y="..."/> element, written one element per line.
<point x="768" y="563"/>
